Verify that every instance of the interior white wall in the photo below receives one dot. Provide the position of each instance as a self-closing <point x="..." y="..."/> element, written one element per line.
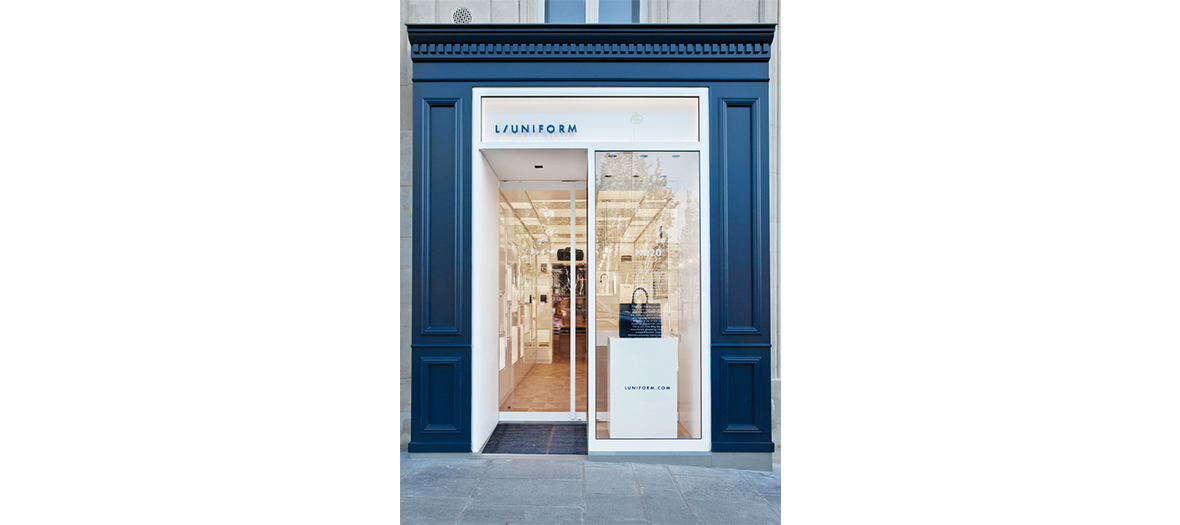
<point x="485" y="343"/>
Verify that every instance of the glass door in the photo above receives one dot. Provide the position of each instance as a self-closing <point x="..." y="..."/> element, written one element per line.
<point x="647" y="283"/>
<point x="543" y="301"/>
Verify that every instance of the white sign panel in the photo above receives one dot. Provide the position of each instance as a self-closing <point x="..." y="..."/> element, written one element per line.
<point x="590" y="119"/>
<point x="642" y="387"/>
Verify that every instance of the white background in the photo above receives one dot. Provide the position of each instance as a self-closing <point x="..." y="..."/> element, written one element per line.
<point x="198" y="261"/>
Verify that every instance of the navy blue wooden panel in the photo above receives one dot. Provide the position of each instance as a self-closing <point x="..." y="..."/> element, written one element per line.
<point x="590" y="42"/>
<point x="741" y="398"/>
<point x="440" y="419"/>
<point x="441" y="385"/>
<point x="440" y="398"/>
<point x="476" y="53"/>
<point x="591" y="52"/>
<point x="740" y="280"/>
<point x="443" y="230"/>
<point x="742" y="221"/>
<point x="702" y="72"/>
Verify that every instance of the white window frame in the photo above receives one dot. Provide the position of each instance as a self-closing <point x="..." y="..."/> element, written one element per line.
<point x="592" y="11"/>
<point x="703" y="444"/>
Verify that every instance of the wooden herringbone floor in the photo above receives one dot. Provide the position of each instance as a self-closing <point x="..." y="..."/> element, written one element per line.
<point x="546" y="388"/>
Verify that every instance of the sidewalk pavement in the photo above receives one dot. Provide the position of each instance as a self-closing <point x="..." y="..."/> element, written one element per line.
<point x="558" y="491"/>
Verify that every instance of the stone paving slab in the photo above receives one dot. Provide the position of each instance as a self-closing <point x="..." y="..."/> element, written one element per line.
<point x="605" y="520"/>
<point x="432" y="486"/>
<point x="610" y="481"/>
<point x="620" y="506"/>
<point x="775" y="502"/>
<point x="717" y="488"/>
<point x="608" y="464"/>
<point x="560" y="491"/>
<point x="764" y="482"/>
<point x="534" y="469"/>
<point x="520" y="515"/>
<point x="666" y="506"/>
<point x="548" y="492"/>
<point x="725" y="512"/>
<point x="681" y="470"/>
<point x="447" y="468"/>
<point x="602" y="520"/>
<point x="430" y="510"/>
<point x="653" y="476"/>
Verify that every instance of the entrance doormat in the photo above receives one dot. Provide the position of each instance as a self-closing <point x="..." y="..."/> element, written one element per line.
<point x="537" y="438"/>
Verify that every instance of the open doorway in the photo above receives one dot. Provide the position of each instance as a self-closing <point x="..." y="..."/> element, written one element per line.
<point x="541" y="288"/>
<point x="542" y="301"/>
<point x="531" y="375"/>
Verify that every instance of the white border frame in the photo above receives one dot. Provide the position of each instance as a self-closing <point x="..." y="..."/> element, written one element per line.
<point x="705" y="442"/>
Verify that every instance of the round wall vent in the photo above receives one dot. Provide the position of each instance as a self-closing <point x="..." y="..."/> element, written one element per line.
<point x="461" y="15"/>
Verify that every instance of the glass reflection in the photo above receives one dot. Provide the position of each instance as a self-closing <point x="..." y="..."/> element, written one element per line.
<point x="648" y="312"/>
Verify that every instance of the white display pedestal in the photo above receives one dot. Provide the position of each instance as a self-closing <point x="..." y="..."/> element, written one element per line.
<point x="601" y="336"/>
<point x="642" y="387"/>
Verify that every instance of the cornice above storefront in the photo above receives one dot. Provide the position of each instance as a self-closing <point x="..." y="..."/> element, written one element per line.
<point x="590" y="42"/>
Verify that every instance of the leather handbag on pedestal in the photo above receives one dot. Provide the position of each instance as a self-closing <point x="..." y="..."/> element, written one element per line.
<point x="640" y="320"/>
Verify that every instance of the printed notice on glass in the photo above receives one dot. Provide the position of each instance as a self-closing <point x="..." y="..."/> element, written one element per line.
<point x="654" y="279"/>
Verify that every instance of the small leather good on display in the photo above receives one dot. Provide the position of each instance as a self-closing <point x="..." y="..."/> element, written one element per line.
<point x="639" y="320"/>
<point x="564" y="254"/>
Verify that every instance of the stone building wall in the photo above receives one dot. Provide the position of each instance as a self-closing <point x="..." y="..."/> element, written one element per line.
<point x="527" y="11"/>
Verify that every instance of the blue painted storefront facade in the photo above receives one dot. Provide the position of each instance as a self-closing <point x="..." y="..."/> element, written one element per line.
<point x="732" y="61"/>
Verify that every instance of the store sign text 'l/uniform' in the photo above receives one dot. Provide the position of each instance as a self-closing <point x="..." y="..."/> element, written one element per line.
<point x="536" y="128"/>
<point x="589" y="119"/>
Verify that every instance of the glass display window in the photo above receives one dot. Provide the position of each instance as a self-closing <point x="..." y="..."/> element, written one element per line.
<point x="647" y="246"/>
